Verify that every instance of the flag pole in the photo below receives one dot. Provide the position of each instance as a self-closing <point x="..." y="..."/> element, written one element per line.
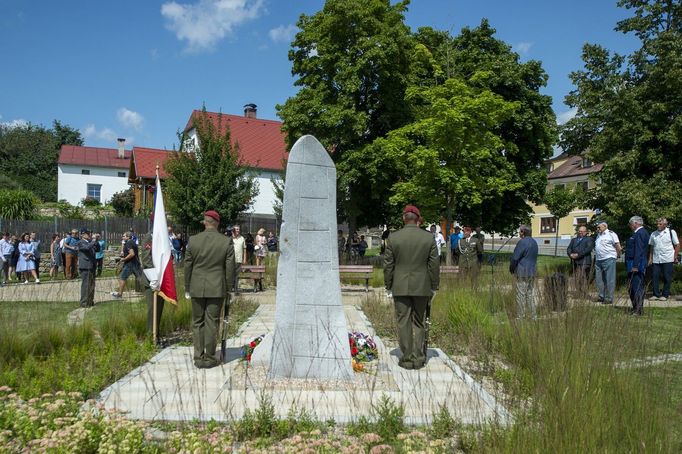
<point x="155" y="328"/>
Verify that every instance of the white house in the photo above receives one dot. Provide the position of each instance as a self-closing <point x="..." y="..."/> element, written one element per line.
<point x="262" y="148"/>
<point x="90" y="172"/>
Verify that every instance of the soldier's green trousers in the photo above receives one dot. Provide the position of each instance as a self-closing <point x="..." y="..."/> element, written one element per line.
<point x="410" y="312"/>
<point x="205" y="317"/>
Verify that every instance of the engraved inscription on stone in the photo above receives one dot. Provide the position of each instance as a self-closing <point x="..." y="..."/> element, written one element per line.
<point x="310" y="339"/>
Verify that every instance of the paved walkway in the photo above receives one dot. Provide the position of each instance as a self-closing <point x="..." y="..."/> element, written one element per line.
<point x="169" y="387"/>
<point x="60" y="290"/>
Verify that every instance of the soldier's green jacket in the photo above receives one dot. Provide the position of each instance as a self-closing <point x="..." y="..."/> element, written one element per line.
<point x="411" y="262"/>
<point x="209" y="265"/>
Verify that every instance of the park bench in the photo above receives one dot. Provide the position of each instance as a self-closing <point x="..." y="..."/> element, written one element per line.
<point x="357" y="271"/>
<point x="449" y="269"/>
<point x="255" y="272"/>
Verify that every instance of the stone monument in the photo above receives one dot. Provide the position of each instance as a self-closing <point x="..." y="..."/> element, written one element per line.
<point x="310" y="339"/>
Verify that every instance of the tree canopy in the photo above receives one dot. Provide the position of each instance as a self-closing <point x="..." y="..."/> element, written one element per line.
<point x="454" y="124"/>
<point x="29" y="155"/>
<point x="629" y="117"/>
<point x="209" y="178"/>
<point x="351" y="60"/>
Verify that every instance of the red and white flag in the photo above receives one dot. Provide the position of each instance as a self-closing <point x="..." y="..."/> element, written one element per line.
<point x="162" y="276"/>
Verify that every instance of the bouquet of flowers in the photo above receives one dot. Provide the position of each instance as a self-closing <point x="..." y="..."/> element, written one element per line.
<point x="363" y="349"/>
<point x="247" y="350"/>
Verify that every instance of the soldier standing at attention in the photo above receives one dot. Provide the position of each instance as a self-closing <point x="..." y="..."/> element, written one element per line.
<point x="209" y="276"/>
<point x="411" y="275"/>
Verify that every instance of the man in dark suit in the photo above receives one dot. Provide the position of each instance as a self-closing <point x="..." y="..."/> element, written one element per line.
<point x="209" y="276"/>
<point x="86" y="248"/>
<point x="580" y="252"/>
<point x="522" y="265"/>
<point x="636" y="257"/>
<point x="411" y="276"/>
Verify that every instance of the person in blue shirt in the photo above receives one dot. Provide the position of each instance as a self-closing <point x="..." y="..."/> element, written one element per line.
<point x="522" y="265"/>
<point x="99" y="255"/>
<point x="636" y="258"/>
<point x="71" y="262"/>
<point x="454" y="244"/>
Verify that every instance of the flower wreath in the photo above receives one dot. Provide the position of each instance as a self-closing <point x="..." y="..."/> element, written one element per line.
<point x="363" y="349"/>
<point x="247" y="350"/>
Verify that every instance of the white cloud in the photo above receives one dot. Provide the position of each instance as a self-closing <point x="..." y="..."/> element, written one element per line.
<point x="106" y="134"/>
<point x="522" y="47"/>
<point x="283" y="33"/>
<point x="130" y="119"/>
<point x="17" y="123"/>
<point x="205" y="23"/>
<point x="563" y="117"/>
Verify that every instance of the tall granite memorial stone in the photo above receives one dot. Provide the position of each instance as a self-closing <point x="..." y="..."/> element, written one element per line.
<point x="310" y="339"/>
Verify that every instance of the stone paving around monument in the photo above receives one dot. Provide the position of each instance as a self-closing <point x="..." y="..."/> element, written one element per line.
<point x="169" y="387"/>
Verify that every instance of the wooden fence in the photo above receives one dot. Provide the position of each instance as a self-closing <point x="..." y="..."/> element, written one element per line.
<point x="111" y="228"/>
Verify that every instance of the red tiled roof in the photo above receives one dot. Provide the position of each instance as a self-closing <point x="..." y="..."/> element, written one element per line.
<point x="144" y="162"/>
<point x="261" y="142"/>
<point x="92" y="156"/>
<point x="573" y="167"/>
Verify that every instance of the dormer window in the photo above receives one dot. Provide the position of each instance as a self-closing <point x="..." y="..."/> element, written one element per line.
<point x="586" y="163"/>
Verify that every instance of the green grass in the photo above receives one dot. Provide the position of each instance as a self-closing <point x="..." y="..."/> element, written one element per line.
<point x="41" y="353"/>
<point x="562" y="374"/>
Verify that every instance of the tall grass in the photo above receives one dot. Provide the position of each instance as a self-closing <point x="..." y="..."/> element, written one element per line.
<point x="567" y="376"/>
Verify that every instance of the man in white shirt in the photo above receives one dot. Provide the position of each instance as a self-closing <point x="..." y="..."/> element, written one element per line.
<point x="607" y="249"/>
<point x="664" y="247"/>
<point x="6" y="248"/>
<point x="239" y="246"/>
<point x="440" y="241"/>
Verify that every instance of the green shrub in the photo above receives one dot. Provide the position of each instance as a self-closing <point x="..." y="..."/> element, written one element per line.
<point x="17" y="204"/>
<point x="123" y="202"/>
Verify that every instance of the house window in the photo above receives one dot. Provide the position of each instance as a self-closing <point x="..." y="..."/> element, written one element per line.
<point x="580" y="221"/>
<point x="582" y="185"/>
<point x="559" y="185"/>
<point x="95" y="192"/>
<point x="122" y="174"/>
<point x="548" y="225"/>
<point x="85" y="171"/>
<point x="586" y="163"/>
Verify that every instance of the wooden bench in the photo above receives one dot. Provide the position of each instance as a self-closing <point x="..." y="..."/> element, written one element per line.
<point x="357" y="271"/>
<point x="255" y="272"/>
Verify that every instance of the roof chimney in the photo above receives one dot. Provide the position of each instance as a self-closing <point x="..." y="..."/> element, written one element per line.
<point x="250" y="110"/>
<point x="121" y="149"/>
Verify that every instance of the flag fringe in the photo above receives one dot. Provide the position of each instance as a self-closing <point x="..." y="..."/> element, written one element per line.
<point x="167" y="298"/>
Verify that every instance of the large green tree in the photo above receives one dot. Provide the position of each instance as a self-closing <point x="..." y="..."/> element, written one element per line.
<point x="452" y="157"/>
<point x="29" y="155"/>
<point x="209" y="178"/>
<point x="351" y="61"/>
<point x="629" y="116"/>
<point x="479" y="112"/>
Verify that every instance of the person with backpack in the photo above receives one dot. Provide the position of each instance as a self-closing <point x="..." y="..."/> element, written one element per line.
<point x="664" y="247"/>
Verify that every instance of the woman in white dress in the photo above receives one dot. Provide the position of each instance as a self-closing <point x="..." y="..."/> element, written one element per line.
<point x="27" y="259"/>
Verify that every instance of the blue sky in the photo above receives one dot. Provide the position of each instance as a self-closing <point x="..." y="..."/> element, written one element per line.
<point x="136" y="69"/>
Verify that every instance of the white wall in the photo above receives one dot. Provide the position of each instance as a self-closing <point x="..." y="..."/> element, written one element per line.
<point x="72" y="186"/>
<point x="266" y="193"/>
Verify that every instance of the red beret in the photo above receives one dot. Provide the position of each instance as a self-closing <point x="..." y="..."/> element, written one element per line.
<point x="213" y="214"/>
<point x="412" y="209"/>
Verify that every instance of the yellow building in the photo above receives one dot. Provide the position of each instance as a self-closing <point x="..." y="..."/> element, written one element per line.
<point x="568" y="171"/>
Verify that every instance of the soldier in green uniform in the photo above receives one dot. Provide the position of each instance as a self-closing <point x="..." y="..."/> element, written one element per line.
<point x="209" y="276"/>
<point x="411" y="276"/>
